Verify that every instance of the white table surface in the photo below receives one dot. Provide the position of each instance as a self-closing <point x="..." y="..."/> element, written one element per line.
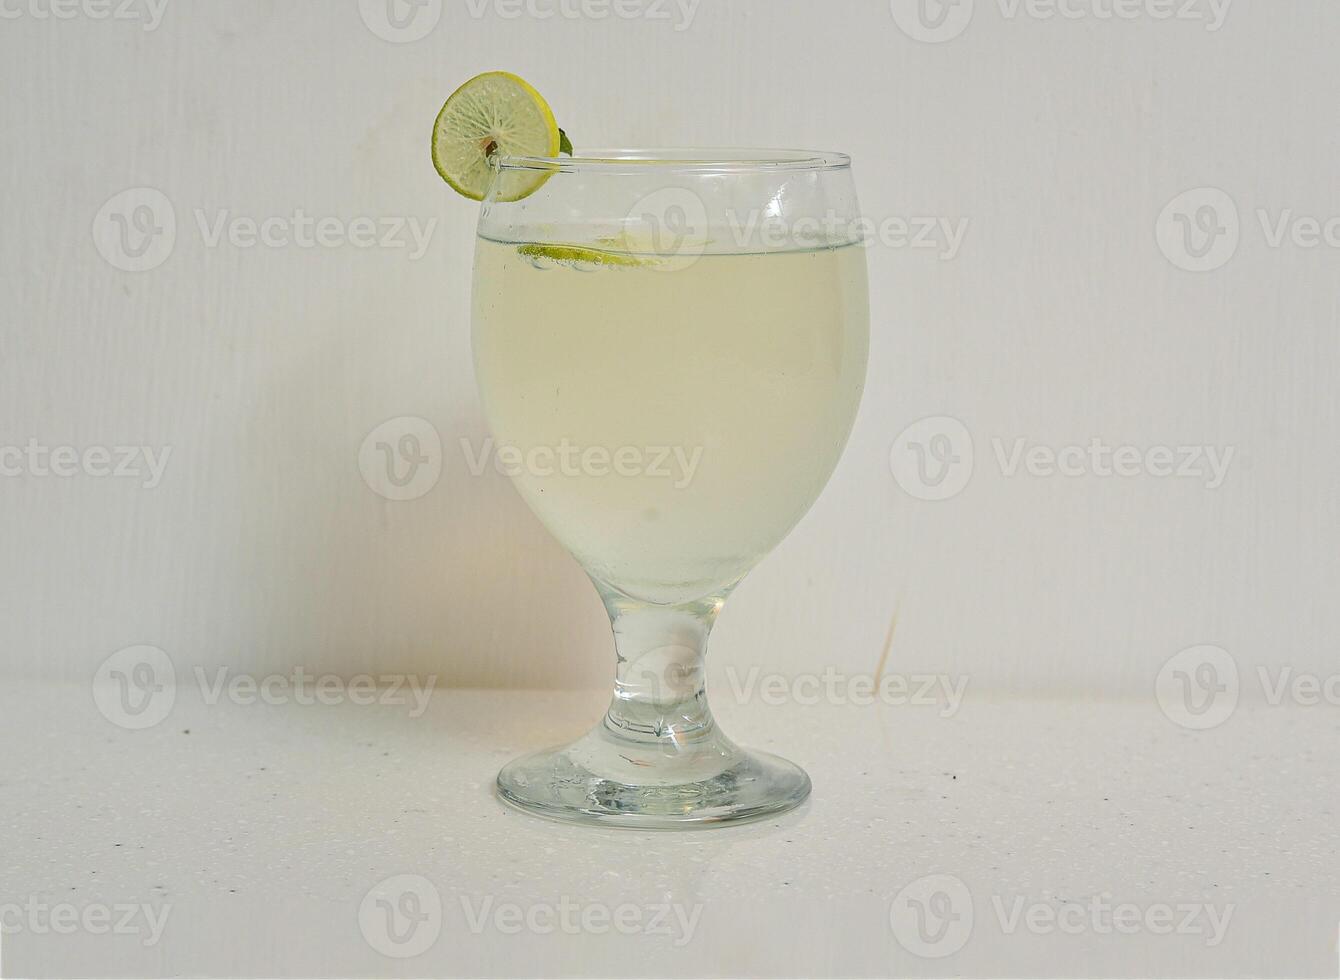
<point x="260" y="830"/>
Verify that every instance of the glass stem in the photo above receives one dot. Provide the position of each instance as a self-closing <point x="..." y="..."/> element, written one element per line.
<point x="659" y="680"/>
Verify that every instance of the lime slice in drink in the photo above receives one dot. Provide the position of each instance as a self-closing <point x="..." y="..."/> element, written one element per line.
<point x="494" y="114"/>
<point x="578" y="257"/>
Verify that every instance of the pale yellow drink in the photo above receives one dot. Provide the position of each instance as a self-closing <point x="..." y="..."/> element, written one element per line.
<point x="670" y="422"/>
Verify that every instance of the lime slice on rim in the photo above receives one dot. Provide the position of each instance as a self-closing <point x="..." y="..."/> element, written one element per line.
<point x="494" y="114"/>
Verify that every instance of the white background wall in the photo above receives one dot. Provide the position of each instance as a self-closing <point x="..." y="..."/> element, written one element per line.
<point x="1059" y="320"/>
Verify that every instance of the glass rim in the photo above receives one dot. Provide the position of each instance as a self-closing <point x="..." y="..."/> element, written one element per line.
<point x="682" y="160"/>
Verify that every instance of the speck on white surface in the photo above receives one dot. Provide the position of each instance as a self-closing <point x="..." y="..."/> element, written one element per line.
<point x="265" y="827"/>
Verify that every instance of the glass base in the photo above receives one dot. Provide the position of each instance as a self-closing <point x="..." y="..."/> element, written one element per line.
<point x="665" y="782"/>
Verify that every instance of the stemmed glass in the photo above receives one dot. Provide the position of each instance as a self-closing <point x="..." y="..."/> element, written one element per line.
<point x="670" y="347"/>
